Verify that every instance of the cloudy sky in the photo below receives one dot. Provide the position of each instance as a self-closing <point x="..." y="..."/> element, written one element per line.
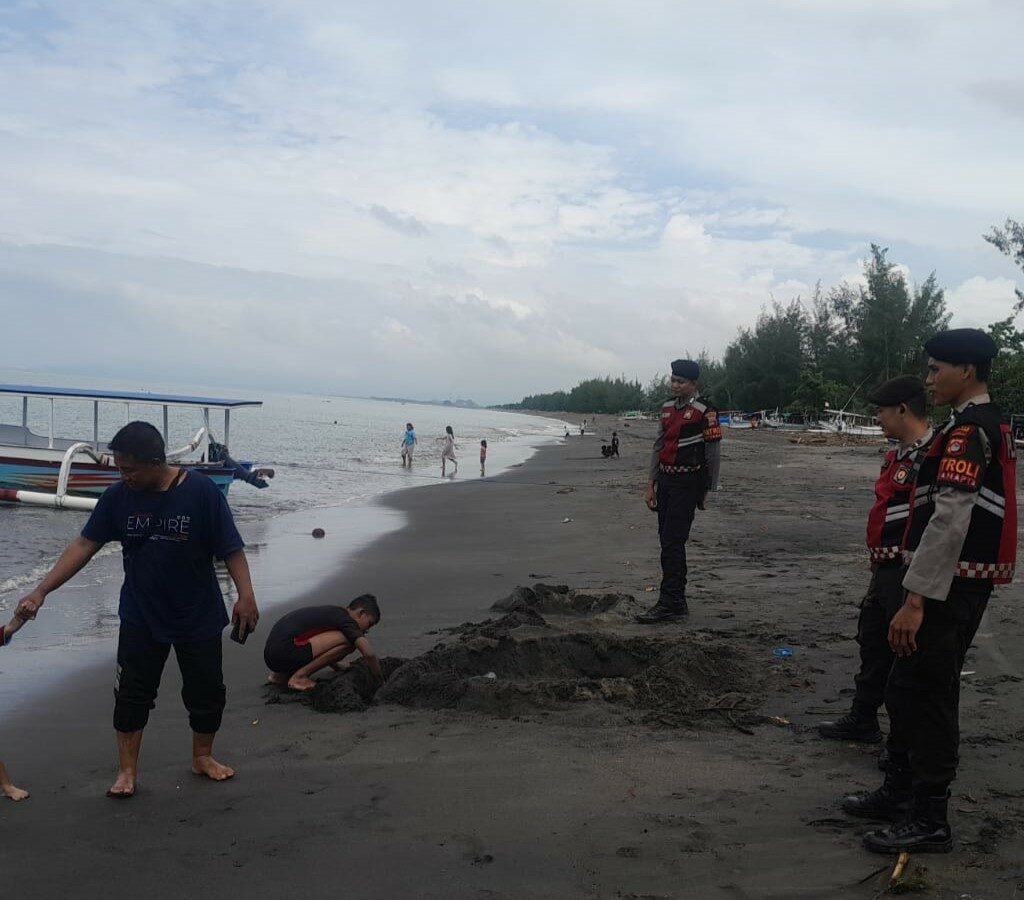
<point x="482" y="199"/>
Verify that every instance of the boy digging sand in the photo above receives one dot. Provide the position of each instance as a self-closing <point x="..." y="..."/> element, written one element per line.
<point x="310" y="639"/>
<point x="10" y="791"/>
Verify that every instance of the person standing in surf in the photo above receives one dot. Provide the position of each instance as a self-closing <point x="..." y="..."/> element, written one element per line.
<point x="448" y="451"/>
<point x="408" y="445"/>
<point x="172" y="524"/>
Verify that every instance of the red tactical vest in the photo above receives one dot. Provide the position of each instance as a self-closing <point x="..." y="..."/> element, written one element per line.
<point x="890" y="514"/>
<point x="989" y="552"/>
<point x="684" y="432"/>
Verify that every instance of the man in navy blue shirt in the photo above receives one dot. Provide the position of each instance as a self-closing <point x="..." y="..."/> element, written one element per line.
<point x="171" y="523"/>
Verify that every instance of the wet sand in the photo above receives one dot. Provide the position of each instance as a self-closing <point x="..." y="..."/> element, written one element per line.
<point x="590" y="797"/>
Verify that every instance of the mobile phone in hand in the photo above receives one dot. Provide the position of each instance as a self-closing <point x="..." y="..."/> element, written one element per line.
<point x="239" y="633"/>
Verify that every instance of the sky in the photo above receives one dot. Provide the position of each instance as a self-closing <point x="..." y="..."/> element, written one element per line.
<point x="483" y="200"/>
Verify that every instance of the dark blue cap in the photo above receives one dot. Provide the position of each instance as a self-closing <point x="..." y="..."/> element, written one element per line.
<point x="961" y="346"/>
<point x="897" y="390"/>
<point x="685" y="368"/>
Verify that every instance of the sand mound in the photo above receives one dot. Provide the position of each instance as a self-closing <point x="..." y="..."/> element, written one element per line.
<point x="670" y="680"/>
<point x="559" y="599"/>
<point x="521" y="663"/>
<point x="500" y="628"/>
<point x="348" y="691"/>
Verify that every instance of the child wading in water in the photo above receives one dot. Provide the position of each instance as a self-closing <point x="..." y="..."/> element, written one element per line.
<point x="448" y="451"/>
<point x="483" y="457"/>
<point x="10" y="791"/>
<point x="408" y="445"/>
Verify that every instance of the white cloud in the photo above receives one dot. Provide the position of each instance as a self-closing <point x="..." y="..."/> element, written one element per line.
<point x="978" y="301"/>
<point x="563" y="193"/>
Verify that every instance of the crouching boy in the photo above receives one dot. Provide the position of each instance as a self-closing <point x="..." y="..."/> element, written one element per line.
<point x="309" y="639"/>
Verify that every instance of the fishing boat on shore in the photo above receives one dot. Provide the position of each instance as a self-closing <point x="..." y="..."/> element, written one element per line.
<point x="71" y="472"/>
<point x="770" y="419"/>
<point x="839" y="421"/>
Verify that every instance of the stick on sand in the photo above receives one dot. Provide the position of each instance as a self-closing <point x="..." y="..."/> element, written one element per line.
<point x="898" y="870"/>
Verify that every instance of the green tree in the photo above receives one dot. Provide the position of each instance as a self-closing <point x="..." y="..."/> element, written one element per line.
<point x="656" y="393"/>
<point x="1007" y="381"/>
<point x="814" y="393"/>
<point x="802" y="357"/>
<point x="712" y="384"/>
<point x="1009" y="240"/>
<point x="891" y="322"/>
<point x="830" y="334"/>
<point x="763" y="364"/>
<point x="594" y="395"/>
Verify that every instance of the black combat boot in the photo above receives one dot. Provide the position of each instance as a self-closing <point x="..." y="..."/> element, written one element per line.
<point x="883" y="759"/>
<point x="665" y="610"/>
<point x="857" y="725"/>
<point x="892" y="802"/>
<point x="926" y="831"/>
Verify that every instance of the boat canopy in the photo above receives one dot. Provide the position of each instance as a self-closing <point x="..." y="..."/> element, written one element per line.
<point x="56" y="393"/>
<point x="166" y="401"/>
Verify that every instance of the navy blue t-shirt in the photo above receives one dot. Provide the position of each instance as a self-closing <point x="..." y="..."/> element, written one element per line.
<point x="170" y="587"/>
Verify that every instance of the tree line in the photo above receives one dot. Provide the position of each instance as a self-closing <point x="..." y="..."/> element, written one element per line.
<point x="826" y="350"/>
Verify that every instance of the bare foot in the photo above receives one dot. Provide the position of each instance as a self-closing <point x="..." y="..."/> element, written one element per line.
<point x="301" y="683"/>
<point x="123" y="787"/>
<point x="13" y="793"/>
<point x="276" y="678"/>
<point x="208" y="766"/>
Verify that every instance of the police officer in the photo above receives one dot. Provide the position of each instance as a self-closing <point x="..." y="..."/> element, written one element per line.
<point x="684" y="467"/>
<point x="902" y="413"/>
<point x="963" y="537"/>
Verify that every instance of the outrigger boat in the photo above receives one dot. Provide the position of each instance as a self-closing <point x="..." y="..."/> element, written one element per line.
<point x="840" y="421"/>
<point x="768" y="419"/>
<point x="71" y="473"/>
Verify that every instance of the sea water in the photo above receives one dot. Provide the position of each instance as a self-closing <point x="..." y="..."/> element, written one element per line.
<point x="332" y="456"/>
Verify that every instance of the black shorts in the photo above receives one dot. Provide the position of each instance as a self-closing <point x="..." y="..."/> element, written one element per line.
<point x="285" y="657"/>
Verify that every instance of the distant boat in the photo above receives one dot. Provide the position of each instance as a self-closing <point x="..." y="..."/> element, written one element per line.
<point x="71" y="473"/>
<point x="780" y="421"/>
<point x="841" y="422"/>
<point x="770" y="419"/>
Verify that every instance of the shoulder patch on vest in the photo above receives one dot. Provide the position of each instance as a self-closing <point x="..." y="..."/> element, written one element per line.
<point x="963" y="459"/>
<point x="961" y="473"/>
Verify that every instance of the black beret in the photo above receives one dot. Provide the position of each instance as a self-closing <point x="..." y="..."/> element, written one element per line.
<point x="685" y="368"/>
<point x="897" y="390"/>
<point x="962" y="345"/>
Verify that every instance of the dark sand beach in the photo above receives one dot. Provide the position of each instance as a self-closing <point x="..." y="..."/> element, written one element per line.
<point x="571" y="773"/>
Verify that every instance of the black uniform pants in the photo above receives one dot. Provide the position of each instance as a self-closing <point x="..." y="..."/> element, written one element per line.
<point x="883" y="599"/>
<point x="923" y="692"/>
<point x="677" y="505"/>
<point x="140" y="663"/>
